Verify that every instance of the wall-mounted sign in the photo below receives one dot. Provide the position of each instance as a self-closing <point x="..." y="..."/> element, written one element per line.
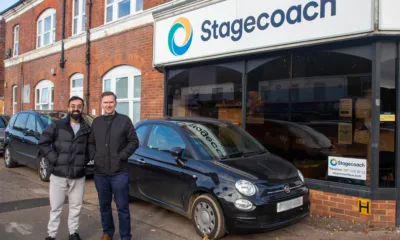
<point x="364" y="206"/>
<point x="347" y="168"/>
<point x="234" y="26"/>
<point x="27" y="93"/>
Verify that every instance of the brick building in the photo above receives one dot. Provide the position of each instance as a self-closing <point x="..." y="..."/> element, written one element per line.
<point x="2" y="48"/>
<point x="48" y="65"/>
<point x="317" y="88"/>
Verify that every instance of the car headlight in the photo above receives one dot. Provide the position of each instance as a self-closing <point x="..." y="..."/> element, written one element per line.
<point x="301" y="176"/>
<point x="245" y="187"/>
<point x="244" y="205"/>
<point x="91" y="162"/>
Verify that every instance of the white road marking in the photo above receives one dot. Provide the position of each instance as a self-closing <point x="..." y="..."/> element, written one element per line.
<point x="21" y="228"/>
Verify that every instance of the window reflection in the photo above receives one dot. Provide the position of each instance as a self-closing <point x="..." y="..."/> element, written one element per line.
<point x="387" y="156"/>
<point x="312" y="106"/>
<point x="209" y="91"/>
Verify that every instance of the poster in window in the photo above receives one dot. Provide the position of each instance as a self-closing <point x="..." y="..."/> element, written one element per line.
<point x="363" y="108"/>
<point x="345" y="134"/>
<point x="346" y="107"/>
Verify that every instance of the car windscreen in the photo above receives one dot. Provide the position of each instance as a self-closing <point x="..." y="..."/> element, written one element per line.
<point x="219" y="140"/>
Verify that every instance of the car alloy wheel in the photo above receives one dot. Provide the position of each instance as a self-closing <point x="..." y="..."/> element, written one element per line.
<point x="43" y="169"/>
<point x="208" y="217"/>
<point x="8" y="161"/>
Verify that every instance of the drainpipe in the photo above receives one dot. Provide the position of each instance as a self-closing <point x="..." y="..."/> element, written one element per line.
<point x="87" y="60"/>
<point x="62" y="61"/>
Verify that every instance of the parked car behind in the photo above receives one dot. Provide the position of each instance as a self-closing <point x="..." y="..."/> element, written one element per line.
<point x="3" y="124"/>
<point x="216" y="174"/>
<point x="22" y="137"/>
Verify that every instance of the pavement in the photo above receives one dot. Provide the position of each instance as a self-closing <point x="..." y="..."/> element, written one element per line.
<point x="24" y="213"/>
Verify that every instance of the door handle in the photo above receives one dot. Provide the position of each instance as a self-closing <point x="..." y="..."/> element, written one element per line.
<point x="141" y="160"/>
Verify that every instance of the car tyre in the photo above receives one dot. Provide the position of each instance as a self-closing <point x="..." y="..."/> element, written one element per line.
<point x="8" y="160"/>
<point x="43" y="170"/>
<point x="208" y="217"/>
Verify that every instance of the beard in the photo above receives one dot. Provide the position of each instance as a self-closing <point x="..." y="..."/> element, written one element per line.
<point x="76" y="114"/>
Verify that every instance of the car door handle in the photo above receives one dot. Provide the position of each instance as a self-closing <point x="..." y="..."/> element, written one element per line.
<point x="141" y="160"/>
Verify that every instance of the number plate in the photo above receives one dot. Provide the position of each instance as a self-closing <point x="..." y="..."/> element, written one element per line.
<point x="286" y="205"/>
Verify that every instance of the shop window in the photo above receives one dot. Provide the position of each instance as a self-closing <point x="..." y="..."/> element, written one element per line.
<point x="46" y="28"/>
<point x="207" y="91"/>
<point x="126" y="82"/>
<point x="318" y="111"/>
<point x="78" y="16"/>
<point x="14" y="98"/>
<point x="16" y="41"/>
<point x="116" y="9"/>
<point x="387" y="145"/>
<point x="44" y="95"/>
<point x="76" y="85"/>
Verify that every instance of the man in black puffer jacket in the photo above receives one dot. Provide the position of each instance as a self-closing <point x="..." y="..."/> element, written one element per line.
<point x="64" y="145"/>
<point x="112" y="141"/>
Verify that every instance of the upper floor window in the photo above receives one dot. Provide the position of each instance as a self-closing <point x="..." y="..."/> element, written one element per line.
<point x="46" y="28"/>
<point x="16" y="40"/>
<point x="79" y="16"/>
<point x="116" y="9"/>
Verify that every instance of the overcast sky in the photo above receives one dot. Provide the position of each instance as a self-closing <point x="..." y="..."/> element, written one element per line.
<point x="6" y="3"/>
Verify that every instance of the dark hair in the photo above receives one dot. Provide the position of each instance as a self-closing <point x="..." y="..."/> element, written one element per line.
<point x="104" y="94"/>
<point x="75" y="98"/>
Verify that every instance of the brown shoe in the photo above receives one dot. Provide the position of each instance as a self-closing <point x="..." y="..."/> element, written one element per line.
<point x="106" y="237"/>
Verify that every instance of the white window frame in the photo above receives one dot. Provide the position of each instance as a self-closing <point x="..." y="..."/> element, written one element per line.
<point x="40" y="28"/>
<point x="131" y="73"/>
<point x="80" y="18"/>
<point x="44" y="84"/>
<point x="114" y="4"/>
<point x="16" y="41"/>
<point x="76" y="91"/>
<point x="14" y="98"/>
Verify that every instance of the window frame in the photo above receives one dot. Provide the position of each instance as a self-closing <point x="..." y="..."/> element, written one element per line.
<point x="115" y="7"/>
<point x="77" y="76"/>
<point x="81" y="27"/>
<point x="40" y="31"/>
<point x="16" y="40"/>
<point x="131" y="73"/>
<point x="44" y="84"/>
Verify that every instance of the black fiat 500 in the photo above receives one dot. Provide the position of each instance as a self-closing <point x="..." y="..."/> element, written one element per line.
<point x="216" y="174"/>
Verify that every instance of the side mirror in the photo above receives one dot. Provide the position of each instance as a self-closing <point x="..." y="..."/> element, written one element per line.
<point x="29" y="133"/>
<point x="176" y="152"/>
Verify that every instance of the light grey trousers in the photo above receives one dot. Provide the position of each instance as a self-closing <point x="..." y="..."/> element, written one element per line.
<point x="58" y="190"/>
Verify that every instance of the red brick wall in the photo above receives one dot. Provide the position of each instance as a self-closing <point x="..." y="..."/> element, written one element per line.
<point x="114" y="51"/>
<point x="2" y="51"/>
<point x="152" y="3"/>
<point x="345" y="207"/>
<point x="28" y="25"/>
<point x="133" y="47"/>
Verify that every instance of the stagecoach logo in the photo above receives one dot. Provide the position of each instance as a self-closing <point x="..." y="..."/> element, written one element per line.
<point x="286" y="189"/>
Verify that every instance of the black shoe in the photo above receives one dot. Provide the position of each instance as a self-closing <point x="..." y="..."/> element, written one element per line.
<point x="74" y="236"/>
<point x="50" y="238"/>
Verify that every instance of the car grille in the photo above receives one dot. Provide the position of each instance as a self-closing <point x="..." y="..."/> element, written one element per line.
<point x="283" y="216"/>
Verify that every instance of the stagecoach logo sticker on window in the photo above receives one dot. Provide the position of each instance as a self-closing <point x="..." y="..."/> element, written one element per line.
<point x="348" y="168"/>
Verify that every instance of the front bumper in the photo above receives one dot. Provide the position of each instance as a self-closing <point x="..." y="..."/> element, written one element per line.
<point x="265" y="217"/>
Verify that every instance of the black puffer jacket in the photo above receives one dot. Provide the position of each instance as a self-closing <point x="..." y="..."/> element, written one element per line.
<point x="66" y="152"/>
<point x="112" y="141"/>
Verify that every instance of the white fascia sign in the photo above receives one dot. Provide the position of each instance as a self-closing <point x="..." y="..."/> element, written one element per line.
<point x="389" y="17"/>
<point x="236" y="26"/>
